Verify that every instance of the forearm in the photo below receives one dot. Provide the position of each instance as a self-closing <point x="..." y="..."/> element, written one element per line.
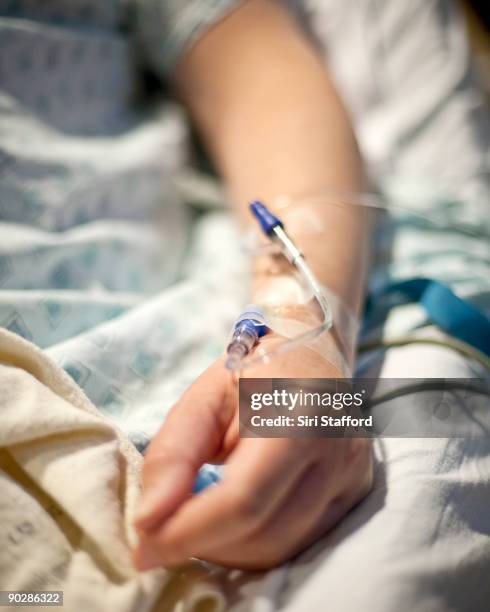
<point x="275" y="125"/>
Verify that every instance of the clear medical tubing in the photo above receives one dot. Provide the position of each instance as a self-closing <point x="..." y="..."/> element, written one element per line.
<point x="285" y="204"/>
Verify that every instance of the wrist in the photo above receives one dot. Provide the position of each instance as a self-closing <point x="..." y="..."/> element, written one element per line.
<point x="292" y="312"/>
<point x="303" y="361"/>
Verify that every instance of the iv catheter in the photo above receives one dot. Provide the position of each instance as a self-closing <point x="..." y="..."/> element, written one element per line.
<point x="251" y="324"/>
<point x="438" y="310"/>
<point x="274" y="229"/>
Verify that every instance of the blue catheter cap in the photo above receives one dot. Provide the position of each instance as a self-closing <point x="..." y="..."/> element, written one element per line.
<point x="267" y="220"/>
<point x="253" y="319"/>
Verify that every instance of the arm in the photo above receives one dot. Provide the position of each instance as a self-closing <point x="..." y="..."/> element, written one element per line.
<point x="271" y="119"/>
<point x="275" y="125"/>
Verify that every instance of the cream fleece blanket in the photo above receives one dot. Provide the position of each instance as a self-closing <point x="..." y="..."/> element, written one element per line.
<point x="69" y="482"/>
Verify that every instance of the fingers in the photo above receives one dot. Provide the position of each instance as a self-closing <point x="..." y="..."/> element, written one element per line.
<point x="324" y="495"/>
<point x="192" y="434"/>
<point x="278" y="497"/>
<point x="318" y="500"/>
<point x="309" y="508"/>
<point x="259" y="475"/>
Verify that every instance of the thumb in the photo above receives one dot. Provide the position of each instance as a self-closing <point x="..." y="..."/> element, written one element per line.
<point x="192" y="434"/>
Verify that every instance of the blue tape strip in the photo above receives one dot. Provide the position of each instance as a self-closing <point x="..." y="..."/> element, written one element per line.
<point x="455" y="316"/>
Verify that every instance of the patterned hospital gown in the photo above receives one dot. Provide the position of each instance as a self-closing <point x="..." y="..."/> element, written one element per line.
<point x="92" y="232"/>
<point x="99" y="261"/>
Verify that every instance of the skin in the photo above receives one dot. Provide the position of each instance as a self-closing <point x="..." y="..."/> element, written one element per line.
<point x="269" y="114"/>
<point x="278" y="496"/>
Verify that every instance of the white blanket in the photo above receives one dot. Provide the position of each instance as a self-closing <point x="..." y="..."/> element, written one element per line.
<point x="69" y="482"/>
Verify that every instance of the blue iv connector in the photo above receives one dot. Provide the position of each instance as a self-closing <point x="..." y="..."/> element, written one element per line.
<point x="249" y="327"/>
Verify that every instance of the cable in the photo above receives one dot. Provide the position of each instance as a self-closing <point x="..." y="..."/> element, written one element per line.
<point x="458" y="345"/>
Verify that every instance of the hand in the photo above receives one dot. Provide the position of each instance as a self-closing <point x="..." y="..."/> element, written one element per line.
<point x="278" y="496"/>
